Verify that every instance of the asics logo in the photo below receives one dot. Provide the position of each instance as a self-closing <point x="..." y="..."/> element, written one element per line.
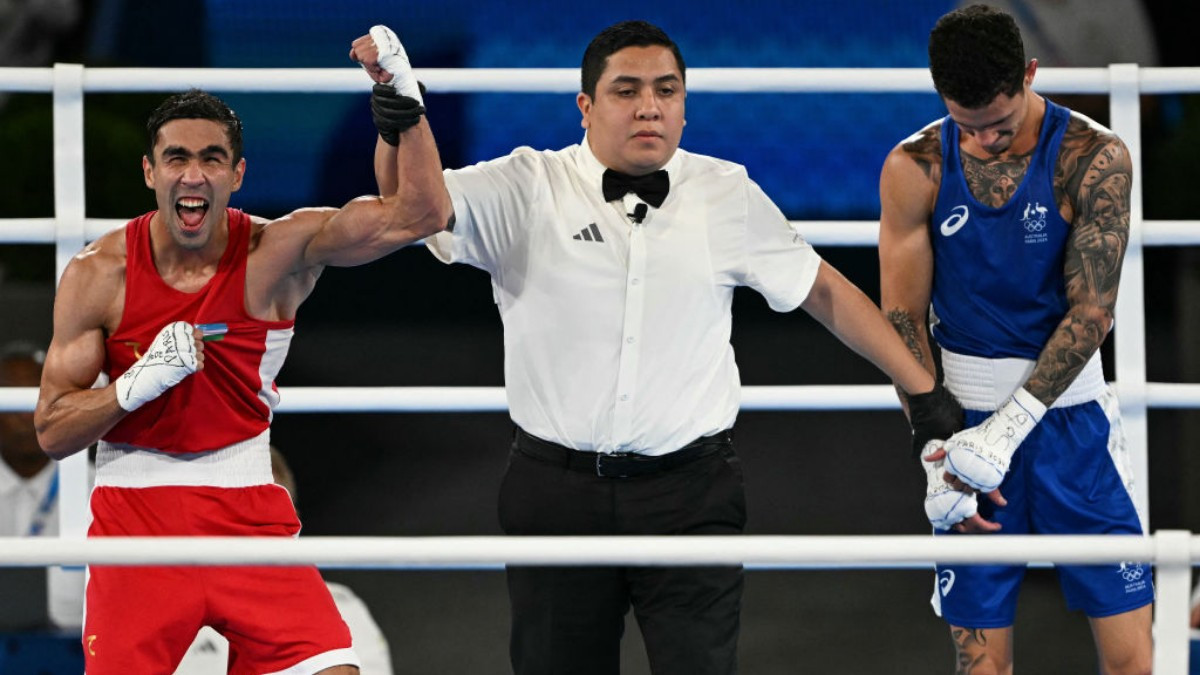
<point x="946" y="581"/>
<point x="956" y="221"/>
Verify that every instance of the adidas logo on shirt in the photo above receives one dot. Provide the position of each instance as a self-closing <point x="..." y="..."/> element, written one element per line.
<point x="589" y="233"/>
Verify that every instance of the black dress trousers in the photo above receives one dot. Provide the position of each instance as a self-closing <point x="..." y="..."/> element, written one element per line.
<point x="569" y="620"/>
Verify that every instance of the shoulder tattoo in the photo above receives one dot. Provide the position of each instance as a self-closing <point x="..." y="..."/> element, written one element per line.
<point x="1097" y="177"/>
<point x="925" y="148"/>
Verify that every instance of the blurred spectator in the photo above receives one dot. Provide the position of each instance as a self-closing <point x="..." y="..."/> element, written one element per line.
<point x="209" y="654"/>
<point x="26" y="475"/>
<point x="1083" y="34"/>
<point x="28" y="30"/>
<point x="29" y="483"/>
<point x="1195" y="620"/>
<point x="1194" y="647"/>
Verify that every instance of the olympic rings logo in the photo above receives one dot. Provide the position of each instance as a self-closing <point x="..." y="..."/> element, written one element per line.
<point x="1131" y="572"/>
<point x="1034" y="217"/>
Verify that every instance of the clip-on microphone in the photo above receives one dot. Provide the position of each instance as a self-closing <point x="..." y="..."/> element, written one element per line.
<point x="639" y="212"/>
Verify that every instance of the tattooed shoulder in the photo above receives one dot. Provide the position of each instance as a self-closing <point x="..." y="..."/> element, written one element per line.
<point x="925" y="148"/>
<point x="1087" y="149"/>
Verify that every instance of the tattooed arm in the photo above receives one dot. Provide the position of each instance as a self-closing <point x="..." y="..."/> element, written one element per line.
<point x="1092" y="180"/>
<point x="907" y="192"/>
<point x="1095" y="176"/>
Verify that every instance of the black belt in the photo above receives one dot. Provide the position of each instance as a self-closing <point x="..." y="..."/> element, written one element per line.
<point x="620" y="464"/>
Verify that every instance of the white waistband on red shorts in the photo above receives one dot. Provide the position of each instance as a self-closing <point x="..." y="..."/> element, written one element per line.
<point x="242" y="464"/>
<point x="985" y="384"/>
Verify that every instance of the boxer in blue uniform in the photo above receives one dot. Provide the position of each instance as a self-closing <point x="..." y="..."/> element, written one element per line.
<point x="1003" y="230"/>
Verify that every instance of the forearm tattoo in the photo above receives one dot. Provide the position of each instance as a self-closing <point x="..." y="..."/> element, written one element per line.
<point x="903" y="322"/>
<point x="1096" y="175"/>
<point x="970" y="649"/>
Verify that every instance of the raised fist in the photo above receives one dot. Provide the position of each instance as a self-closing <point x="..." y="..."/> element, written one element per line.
<point x="383" y="57"/>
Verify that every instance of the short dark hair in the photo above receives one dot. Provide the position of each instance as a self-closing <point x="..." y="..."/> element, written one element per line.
<point x="617" y="37"/>
<point x="976" y="54"/>
<point x="195" y="104"/>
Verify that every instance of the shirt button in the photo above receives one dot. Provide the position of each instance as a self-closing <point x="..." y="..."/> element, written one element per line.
<point x="624" y="397"/>
<point x="629" y="340"/>
<point x="635" y="282"/>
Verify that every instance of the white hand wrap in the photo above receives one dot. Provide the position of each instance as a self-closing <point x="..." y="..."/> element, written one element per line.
<point x="944" y="506"/>
<point x="980" y="455"/>
<point x="170" y="358"/>
<point x="394" y="59"/>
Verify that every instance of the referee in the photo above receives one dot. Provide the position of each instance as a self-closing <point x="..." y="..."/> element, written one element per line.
<point x="613" y="265"/>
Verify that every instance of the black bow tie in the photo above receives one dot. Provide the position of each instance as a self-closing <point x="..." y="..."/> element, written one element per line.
<point x="651" y="188"/>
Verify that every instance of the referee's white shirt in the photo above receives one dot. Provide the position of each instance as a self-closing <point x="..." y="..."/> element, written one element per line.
<point x="616" y="334"/>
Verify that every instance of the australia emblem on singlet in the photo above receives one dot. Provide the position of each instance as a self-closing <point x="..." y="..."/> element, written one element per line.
<point x="1034" y="222"/>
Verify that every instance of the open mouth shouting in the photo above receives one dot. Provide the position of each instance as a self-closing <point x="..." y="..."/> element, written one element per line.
<point x="191" y="212"/>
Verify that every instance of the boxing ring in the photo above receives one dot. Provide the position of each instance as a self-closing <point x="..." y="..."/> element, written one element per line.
<point x="1173" y="552"/>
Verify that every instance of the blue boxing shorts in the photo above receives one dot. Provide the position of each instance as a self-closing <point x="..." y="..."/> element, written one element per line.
<point x="1070" y="476"/>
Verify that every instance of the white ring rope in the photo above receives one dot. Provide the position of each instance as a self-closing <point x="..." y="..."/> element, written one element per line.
<point x="815" y="232"/>
<point x="779" y="552"/>
<point x="1173" y="551"/>
<point x="492" y="399"/>
<point x="566" y="80"/>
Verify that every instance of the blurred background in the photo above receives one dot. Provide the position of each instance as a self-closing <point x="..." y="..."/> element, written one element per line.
<point x="410" y="321"/>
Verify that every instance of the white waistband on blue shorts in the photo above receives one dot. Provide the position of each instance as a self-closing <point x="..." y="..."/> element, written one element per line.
<point x="985" y="384"/>
<point x="242" y="464"/>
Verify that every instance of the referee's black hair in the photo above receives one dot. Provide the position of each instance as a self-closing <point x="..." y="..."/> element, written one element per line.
<point x="976" y="54"/>
<point x="617" y="37"/>
<point x="195" y="104"/>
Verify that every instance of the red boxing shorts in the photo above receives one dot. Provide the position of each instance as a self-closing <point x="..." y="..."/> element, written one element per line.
<point x="142" y="619"/>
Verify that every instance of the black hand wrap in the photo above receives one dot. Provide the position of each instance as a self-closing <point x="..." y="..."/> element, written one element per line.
<point x="935" y="414"/>
<point x="393" y="112"/>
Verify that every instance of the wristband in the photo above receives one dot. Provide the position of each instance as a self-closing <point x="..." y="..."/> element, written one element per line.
<point x="934" y="415"/>
<point x="393" y="113"/>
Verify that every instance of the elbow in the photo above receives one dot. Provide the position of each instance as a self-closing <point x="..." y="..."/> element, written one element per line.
<point x="439" y="215"/>
<point x="50" y="436"/>
<point x="436" y="219"/>
<point x="55" y="447"/>
<point x="819" y="302"/>
<point x="417" y="218"/>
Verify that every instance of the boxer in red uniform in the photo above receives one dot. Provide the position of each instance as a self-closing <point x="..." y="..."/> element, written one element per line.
<point x="188" y="311"/>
